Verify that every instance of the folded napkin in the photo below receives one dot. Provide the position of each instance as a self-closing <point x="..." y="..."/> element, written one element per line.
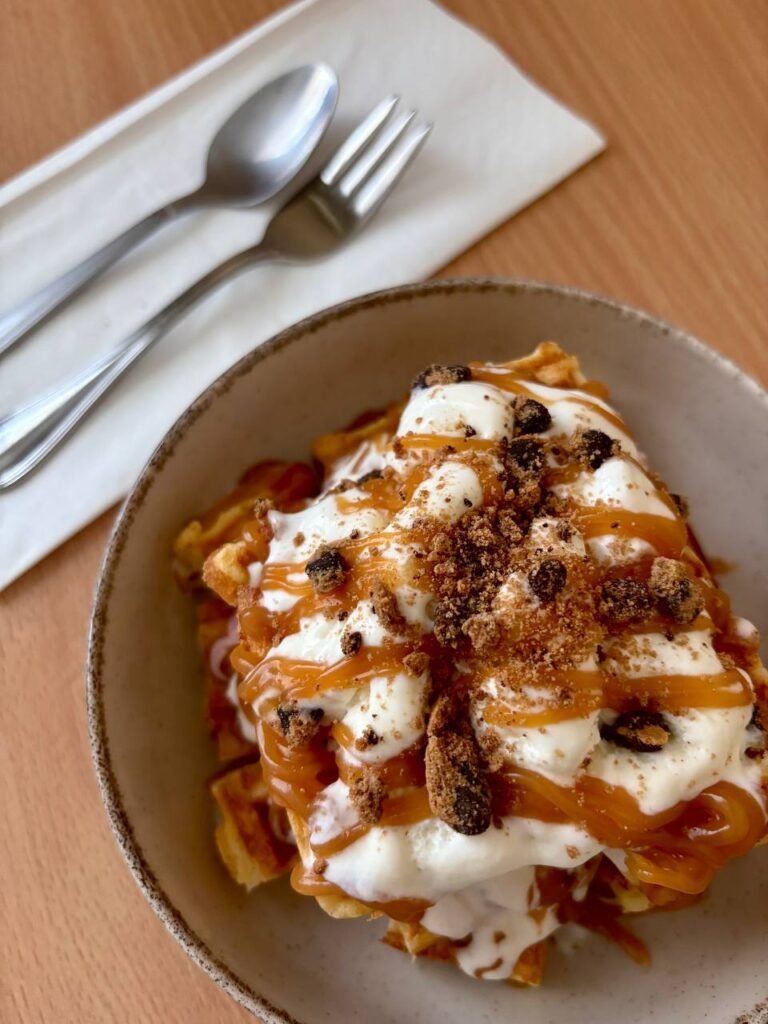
<point x="498" y="143"/>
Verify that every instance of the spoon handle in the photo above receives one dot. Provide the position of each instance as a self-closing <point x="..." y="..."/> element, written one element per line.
<point x="18" y="322"/>
<point x="32" y="433"/>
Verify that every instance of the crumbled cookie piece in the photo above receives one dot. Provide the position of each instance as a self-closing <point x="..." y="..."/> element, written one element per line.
<point x="644" y="732"/>
<point x="261" y="506"/>
<point x="623" y="601"/>
<point x="526" y="455"/>
<point x="369" y="738"/>
<point x="351" y="642"/>
<point x="548" y="579"/>
<point x="531" y="417"/>
<point x="327" y="569"/>
<point x="482" y="630"/>
<point x="457" y="786"/>
<point x="416" y="663"/>
<point x="681" y="504"/>
<point x="676" y="594"/>
<point x="592" y="447"/>
<point x="439" y="374"/>
<point x="509" y="527"/>
<point x="298" y="724"/>
<point x="367" y="792"/>
<point x="385" y="605"/>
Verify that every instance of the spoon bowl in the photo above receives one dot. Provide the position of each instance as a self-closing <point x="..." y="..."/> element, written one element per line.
<point x="269" y="138"/>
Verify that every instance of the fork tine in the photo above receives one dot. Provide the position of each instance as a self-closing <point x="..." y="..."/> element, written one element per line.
<point x="356" y="142"/>
<point x="384" y="178"/>
<point x="374" y="154"/>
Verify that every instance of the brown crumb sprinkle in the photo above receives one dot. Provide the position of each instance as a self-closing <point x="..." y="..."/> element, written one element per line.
<point x="482" y="630"/>
<point x="531" y="417"/>
<point x="299" y="725"/>
<point x="385" y="605"/>
<point x="319" y="865"/>
<point x="327" y="570"/>
<point x="623" y="601"/>
<point x="457" y="786"/>
<point x="681" y="504"/>
<point x="593" y="447"/>
<point x="526" y="455"/>
<point x="351" y="642"/>
<point x="368" y="738"/>
<point x="676" y="594"/>
<point x="439" y="374"/>
<point x="641" y="731"/>
<point x="367" y="792"/>
<point x="416" y="663"/>
<point x="548" y="579"/>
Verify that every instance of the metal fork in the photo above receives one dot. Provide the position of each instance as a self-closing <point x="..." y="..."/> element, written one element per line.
<point x="318" y="220"/>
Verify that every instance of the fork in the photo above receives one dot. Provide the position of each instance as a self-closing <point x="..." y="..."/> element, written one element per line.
<point x="332" y="208"/>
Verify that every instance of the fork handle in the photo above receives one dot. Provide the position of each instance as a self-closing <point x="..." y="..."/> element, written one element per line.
<point x="17" y="322"/>
<point x="30" y="434"/>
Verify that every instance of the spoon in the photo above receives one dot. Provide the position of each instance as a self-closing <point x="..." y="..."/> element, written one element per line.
<point x="254" y="155"/>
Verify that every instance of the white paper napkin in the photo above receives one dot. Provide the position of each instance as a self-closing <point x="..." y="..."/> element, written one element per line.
<point x="498" y="143"/>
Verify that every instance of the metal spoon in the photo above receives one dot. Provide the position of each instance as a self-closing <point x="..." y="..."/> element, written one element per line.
<point x="254" y="155"/>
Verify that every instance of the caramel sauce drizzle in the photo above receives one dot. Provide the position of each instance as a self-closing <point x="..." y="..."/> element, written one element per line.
<point x="679" y="849"/>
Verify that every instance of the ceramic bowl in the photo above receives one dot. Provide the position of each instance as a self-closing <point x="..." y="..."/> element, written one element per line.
<point x="704" y="426"/>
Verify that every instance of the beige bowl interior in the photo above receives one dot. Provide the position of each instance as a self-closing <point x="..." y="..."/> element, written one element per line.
<point x="704" y="426"/>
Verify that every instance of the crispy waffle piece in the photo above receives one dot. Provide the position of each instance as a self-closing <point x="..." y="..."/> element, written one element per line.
<point x="413" y="938"/>
<point x="334" y="904"/>
<point x="550" y="365"/>
<point x="285" y="483"/>
<point x="251" y="836"/>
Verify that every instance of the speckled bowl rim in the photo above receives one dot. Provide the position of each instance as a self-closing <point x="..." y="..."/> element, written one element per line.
<point x="119" y="822"/>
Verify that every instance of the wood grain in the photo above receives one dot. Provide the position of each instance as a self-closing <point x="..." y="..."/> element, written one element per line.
<point x="671" y="218"/>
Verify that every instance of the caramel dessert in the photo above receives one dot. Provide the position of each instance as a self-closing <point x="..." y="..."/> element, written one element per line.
<point x="470" y="671"/>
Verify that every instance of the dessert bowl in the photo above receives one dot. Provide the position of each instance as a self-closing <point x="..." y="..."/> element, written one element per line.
<point x="703" y="426"/>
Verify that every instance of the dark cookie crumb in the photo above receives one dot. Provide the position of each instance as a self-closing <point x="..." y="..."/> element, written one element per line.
<point x="676" y="594"/>
<point x="593" y="447"/>
<point x="531" y="417"/>
<point x="368" y="739"/>
<point x="681" y="504"/>
<point x="351" y="642"/>
<point x="385" y="605"/>
<point x="548" y="579"/>
<point x="299" y="725"/>
<point x="327" y="570"/>
<point x="644" y="732"/>
<point x="439" y="374"/>
<point x="482" y="630"/>
<point x="756" y="721"/>
<point x="623" y="601"/>
<point x="416" y="663"/>
<point x="457" y="786"/>
<point x="367" y="792"/>
<point x="319" y="865"/>
<point x="261" y="506"/>
<point x="526" y="455"/>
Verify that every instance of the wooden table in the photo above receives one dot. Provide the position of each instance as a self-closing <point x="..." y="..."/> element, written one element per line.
<point x="671" y="218"/>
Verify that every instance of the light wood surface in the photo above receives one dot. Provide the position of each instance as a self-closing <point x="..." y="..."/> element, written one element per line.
<point x="671" y="218"/>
